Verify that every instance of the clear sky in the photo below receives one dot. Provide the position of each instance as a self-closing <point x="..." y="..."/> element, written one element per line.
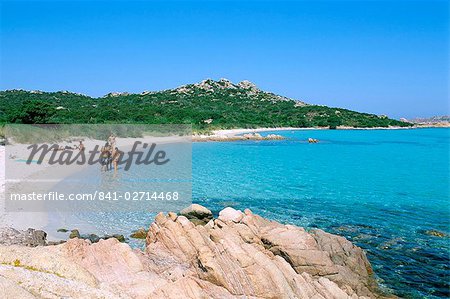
<point x="383" y="57"/>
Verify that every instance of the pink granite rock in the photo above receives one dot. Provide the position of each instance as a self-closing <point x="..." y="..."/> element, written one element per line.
<point x="237" y="257"/>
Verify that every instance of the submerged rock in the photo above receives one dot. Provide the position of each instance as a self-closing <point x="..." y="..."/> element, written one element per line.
<point x="92" y="237"/>
<point x="74" y="234"/>
<point x="120" y="238"/>
<point x="250" y="257"/>
<point x="391" y="243"/>
<point x="436" y="233"/>
<point x="141" y="233"/>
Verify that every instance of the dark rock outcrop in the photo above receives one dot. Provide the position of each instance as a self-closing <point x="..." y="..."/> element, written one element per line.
<point x="140" y="233"/>
<point x="74" y="234"/>
<point x="29" y="237"/>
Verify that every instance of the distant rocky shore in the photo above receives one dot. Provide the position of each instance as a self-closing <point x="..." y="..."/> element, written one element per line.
<point x="247" y="136"/>
<point x="253" y="134"/>
<point x="191" y="255"/>
<point x="430" y="122"/>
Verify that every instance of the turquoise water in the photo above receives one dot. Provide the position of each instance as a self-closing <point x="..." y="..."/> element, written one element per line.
<point x="382" y="189"/>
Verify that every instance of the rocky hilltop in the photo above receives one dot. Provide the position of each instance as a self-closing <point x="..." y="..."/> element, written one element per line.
<point x="243" y="88"/>
<point x="207" y="105"/>
<point x="237" y="255"/>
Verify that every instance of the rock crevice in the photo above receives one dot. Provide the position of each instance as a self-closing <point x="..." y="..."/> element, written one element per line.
<point x="239" y="255"/>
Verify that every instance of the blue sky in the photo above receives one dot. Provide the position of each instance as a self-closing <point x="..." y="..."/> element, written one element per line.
<point x="383" y="57"/>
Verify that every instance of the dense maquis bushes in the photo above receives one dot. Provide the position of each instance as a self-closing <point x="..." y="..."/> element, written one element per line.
<point x="206" y="106"/>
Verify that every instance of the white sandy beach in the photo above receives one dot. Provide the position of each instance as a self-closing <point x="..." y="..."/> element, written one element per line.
<point x="16" y="154"/>
<point x="230" y="133"/>
<point x="40" y="220"/>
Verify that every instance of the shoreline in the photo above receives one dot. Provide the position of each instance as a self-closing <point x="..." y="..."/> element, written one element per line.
<point x="45" y="220"/>
<point x="41" y="220"/>
<point x="390" y="242"/>
<point x="223" y="247"/>
<point x="229" y="134"/>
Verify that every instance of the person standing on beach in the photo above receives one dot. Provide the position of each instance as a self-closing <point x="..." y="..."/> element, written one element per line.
<point x="81" y="146"/>
<point x="110" y="157"/>
<point x="112" y="141"/>
<point x="115" y="158"/>
<point x="105" y="156"/>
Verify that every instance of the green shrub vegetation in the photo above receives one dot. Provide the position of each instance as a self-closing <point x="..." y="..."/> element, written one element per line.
<point x="206" y="107"/>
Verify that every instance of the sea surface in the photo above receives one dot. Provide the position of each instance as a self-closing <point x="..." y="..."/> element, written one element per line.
<point x="385" y="190"/>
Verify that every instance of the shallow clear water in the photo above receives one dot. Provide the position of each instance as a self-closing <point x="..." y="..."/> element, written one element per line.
<point x="381" y="189"/>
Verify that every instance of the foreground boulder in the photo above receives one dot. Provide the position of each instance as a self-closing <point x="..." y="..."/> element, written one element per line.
<point x="230" y="214"/>
<point x="197" y="214"/>
<point x="250" y="257"/>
